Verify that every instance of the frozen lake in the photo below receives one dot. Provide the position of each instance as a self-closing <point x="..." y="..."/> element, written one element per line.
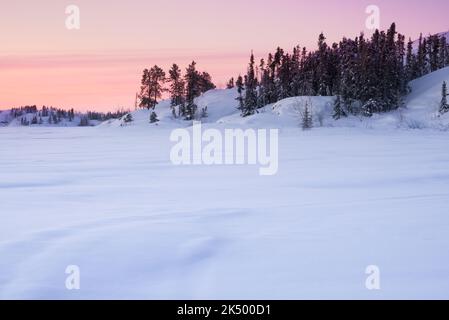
<point x="110" y="201"/>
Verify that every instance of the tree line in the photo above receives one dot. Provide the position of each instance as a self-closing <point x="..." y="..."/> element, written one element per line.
<point x="32" y="115"/>
<point x="367" y="75"/>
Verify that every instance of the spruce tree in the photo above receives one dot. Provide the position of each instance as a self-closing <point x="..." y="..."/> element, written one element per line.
<point x="205" y="82"/>
<point x="230" y="84"/>
<point x="434" y="51"/>
<point x="153" y="117"/>
<point x="263" y="85"/>
<point x="204" y="113"/>
<point x="177" y="86"/>
<point x="323" y="76"/>
<point x="193" y="90"/>
<point x="128" y="118"/>
<point x="442" y="52"/>
<point x="240" y="89"/>
<point x="285" y="76"/>
<point x="411" y="64"/>
<point x="339" y="112"/>
<point x="151" y="87"/>
<point x="307" y="120"/>
<point x="250" y="101"/>
<point x="444" y="107"/>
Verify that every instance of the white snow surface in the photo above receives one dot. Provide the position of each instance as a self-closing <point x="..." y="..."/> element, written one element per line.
<point x="348" y="194"/>
<point x="111" y="202"/>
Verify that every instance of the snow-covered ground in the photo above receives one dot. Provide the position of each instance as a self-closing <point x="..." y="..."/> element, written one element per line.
<point x="109" y="201"/>
<point x="348" y="194"/>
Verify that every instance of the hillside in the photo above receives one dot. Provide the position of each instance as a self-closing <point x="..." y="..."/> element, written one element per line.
<point x="421" y="110"/>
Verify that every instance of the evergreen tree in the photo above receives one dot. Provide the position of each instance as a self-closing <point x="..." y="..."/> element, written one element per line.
<point x="444" y="107"/>
<point x="434" y="51"/>
<point x="205" y="82"/>
<point x="240" y="89"/>
<point x="446" y="53"/>
<point x="348" y="67"/>
<point x="152" y="87"/>
<point x="421" y="58"/>
<point x="307" y="120"/>
<point x="425" y="58"/>
<point x="339" y="112"/>
<point x="193" y="90"/>
<point x="323" y="76"/>
<point x="370" y="107"/>
<point x="285" y="77"/>
<point x="270" y="87"/>
<point x="442" y="52"/>
<point x="230" y="84"/>
<point x="204" y="113"/>
<point x="250" y="100"/>
<point x="128" y="118"/>
<point x="411" y="63"/>
<point x="153" y="117"/>
<point x="177" y="86"/>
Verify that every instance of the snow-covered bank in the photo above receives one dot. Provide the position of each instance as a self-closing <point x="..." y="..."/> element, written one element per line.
<point x="139" y="227"/>
<point x="420" y="111"/>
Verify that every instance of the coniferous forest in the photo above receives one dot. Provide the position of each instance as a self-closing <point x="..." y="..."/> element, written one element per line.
<point x="366" y="74"/>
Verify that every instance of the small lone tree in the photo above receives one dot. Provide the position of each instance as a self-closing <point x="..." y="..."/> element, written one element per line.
<point x="370" y="107"/>
<point x="307" y="120"/>
<point x="153" y="117"/>
<point x="444" y="107"/>
<point x="240" y="89"/>
<point x="128" y="118"/>
<point x="339" y="112"/>
<point x="204" y="113"/>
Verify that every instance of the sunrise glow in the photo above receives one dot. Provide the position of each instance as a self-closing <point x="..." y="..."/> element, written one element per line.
<point x="99" y="66"/>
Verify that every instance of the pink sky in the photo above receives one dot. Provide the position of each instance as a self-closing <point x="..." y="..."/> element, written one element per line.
<point x="99" y="66"/>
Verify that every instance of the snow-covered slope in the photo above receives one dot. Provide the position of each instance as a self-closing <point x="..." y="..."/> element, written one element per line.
<point x="420" y="111"/>
<point x="426" y="91"/>
<point x="219" y="103"/>
<point x="423" y="101"/>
